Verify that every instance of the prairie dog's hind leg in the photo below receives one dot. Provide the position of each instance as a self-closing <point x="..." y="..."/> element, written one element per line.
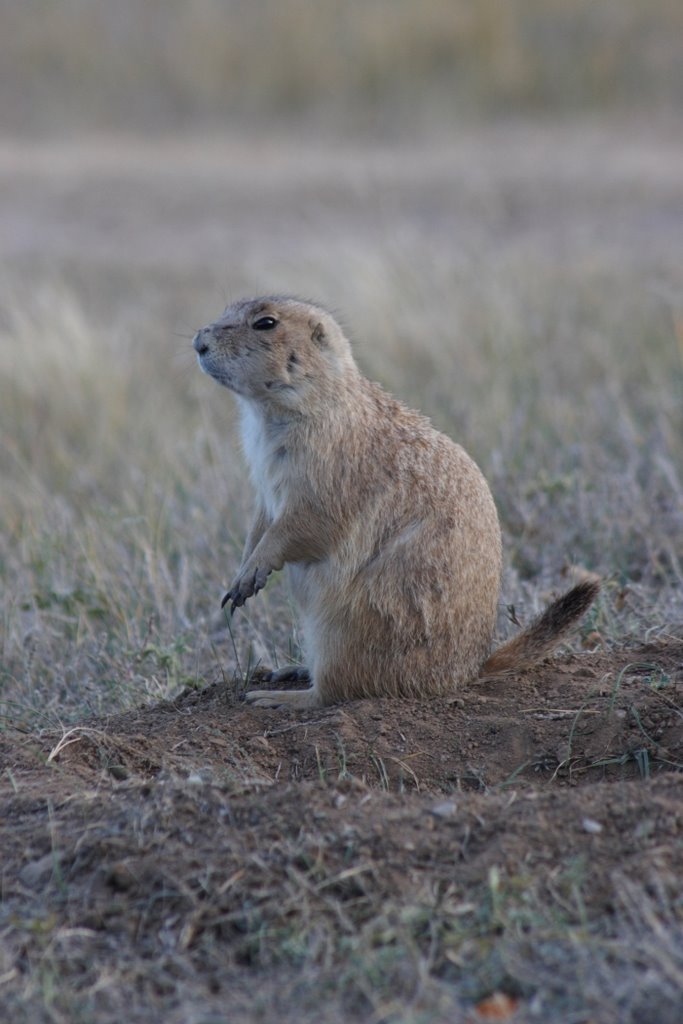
<point x="284" y="698"/>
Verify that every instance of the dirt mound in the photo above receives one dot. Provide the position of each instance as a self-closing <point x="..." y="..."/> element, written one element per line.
<point x="378" y="861"/>
<point x="572" y="721"/>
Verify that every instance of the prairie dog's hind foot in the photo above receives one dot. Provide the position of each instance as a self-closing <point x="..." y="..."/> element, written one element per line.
<point x="284" y="698"/>
<point x="288" y="674"/>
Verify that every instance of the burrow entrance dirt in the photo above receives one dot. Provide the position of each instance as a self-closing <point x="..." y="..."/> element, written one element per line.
<point x="573" y="721"/>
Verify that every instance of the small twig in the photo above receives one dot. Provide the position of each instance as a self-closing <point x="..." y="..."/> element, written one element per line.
<point x="559" y="711"/>
<point x="297" y="725"/>
<point x="72" y="736"/>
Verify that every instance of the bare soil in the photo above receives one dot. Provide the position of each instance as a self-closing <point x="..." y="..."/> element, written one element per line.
<point x="378" y="860"/>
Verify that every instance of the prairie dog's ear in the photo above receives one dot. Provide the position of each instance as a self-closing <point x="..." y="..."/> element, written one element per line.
<point x="318" y="334"/>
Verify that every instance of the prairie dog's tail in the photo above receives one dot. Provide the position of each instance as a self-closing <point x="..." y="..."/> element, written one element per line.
<point x="542" y="635"/>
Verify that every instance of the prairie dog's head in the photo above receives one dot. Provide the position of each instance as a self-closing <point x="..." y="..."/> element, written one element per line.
<point x="276" y="350"/>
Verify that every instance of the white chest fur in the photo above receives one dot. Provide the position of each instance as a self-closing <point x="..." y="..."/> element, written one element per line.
<point x="266" y="455"/>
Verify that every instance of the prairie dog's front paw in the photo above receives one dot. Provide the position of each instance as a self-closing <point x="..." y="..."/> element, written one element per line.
<point x="249" y="582"/>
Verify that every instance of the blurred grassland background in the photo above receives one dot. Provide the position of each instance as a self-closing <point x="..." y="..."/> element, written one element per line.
<point x="362" y="63"/>
<point x="489" y="194"/>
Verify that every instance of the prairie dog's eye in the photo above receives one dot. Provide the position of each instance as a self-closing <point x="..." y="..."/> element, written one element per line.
<point x="264" y="323"/>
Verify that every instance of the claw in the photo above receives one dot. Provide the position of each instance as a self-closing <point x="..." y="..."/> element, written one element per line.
<point x="236" y="602"/>
<point x="245" y="587"/>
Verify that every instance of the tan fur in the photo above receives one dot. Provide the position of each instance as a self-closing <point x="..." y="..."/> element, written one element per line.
<point x="387" y="528"/>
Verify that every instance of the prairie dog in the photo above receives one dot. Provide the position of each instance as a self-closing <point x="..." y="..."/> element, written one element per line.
<point x="386" y="527"/>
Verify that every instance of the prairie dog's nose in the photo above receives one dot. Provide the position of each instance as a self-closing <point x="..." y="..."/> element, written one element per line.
<point x="199" y="343"/>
